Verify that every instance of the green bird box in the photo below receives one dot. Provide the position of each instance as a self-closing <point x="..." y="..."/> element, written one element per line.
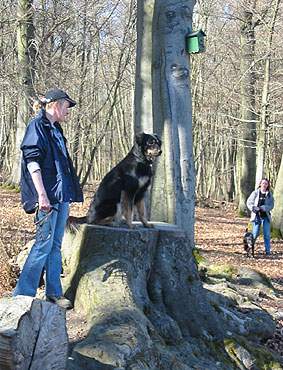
<point x="195" y="42"/>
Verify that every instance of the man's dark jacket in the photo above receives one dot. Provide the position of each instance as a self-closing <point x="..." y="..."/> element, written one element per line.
<point x="60" y="181"/>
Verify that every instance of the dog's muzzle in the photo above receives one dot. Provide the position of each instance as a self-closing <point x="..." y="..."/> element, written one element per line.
<point x="153" y="151"/>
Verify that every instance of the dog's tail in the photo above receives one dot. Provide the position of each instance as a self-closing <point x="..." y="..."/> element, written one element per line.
<point x="73" y="223"/>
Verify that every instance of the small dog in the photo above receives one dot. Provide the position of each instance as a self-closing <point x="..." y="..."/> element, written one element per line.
<point x="126" y="184"/>
<point x="249" y="243"/>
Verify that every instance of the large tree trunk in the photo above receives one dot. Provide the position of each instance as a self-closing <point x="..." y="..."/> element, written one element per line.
<point x="173" y="189"/>
<point x="277" y="214"/>
<point x="33" y="335"/>
<point x="247" y="154"/>
<point x="26" y="57"/>
<point x="163" y="105"/>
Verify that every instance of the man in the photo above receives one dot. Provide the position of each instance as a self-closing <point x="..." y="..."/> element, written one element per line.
<point x="48" y="185"/>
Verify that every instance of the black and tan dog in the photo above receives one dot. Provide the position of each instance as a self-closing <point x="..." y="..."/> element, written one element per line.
<point x="249" y="243"/>
<point x="126" y="184"/>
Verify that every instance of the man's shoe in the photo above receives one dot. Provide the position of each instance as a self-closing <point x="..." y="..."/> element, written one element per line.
<point x="60" y="301"/>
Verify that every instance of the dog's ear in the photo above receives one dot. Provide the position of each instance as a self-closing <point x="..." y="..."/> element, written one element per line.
<point x="139" y="138"/>
<point x="157" y="139"/>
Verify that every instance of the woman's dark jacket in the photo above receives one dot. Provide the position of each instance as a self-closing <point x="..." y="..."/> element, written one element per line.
<point x="60" y="181"/>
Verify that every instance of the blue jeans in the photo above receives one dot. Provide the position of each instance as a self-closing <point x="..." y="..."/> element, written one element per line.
<point x="266" y="231"/>
<point x="45" y="253"/>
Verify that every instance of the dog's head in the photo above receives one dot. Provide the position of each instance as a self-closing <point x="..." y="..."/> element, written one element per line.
<point x="150" y="145"/>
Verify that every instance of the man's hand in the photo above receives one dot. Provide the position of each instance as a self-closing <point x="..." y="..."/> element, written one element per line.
<point x="256" y="209"/>
<point x="43" y="203"/>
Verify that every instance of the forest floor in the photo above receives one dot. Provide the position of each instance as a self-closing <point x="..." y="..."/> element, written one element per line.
<point x="218" y="236"/>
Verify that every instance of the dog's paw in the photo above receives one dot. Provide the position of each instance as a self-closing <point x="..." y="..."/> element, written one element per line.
<point x="148" y="226"/>
<point x="125" y="224"/>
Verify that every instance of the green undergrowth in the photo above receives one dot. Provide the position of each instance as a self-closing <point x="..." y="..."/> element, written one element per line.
<point x="217" y="349"/>
<point x="260" y="356"/>
<point x="276" y="233"/>
<point x="11" y="187"/>
<point x="230" y="353"/>
<point x="242" y="214"/>
<point x="197" y="256"/>
<point x="227" y="272"/>
<point x="234" y="275"/>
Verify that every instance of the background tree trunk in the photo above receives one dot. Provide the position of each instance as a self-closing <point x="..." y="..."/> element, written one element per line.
<point x="247" y="154"/>
<point x="264" y="111"/>
<point x="143" y="119"/>
<point x="26" y="60"/>
<point x="277" y="213"/>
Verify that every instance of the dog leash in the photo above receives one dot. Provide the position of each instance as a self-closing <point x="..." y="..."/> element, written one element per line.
<point x="41" y="221"/>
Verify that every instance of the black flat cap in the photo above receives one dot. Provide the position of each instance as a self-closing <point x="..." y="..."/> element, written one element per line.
<point x="56" y="94"/>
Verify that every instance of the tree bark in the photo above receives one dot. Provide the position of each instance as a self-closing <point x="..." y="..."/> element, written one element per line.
<point x="26" y="59"/>
<point x="172" y="198"/>
<point x="33" y="335"/>
<point x="163" y="105"/>
<point x="143" y="119"/>
<point x="247" y="159"/>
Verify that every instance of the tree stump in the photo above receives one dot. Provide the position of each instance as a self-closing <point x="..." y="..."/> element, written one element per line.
<point x="142" y="295"/>
<point x="33" y="335"/>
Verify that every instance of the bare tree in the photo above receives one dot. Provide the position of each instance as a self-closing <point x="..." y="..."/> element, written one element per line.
<point x="143" y="118"/>
<point x="26" y="60"/>
<point x="247" y="154"/>
<point x="265" y="99"/>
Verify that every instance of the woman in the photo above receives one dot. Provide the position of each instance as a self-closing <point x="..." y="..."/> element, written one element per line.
<point x="260" y="203"/>
<point x="48" y="185"/>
